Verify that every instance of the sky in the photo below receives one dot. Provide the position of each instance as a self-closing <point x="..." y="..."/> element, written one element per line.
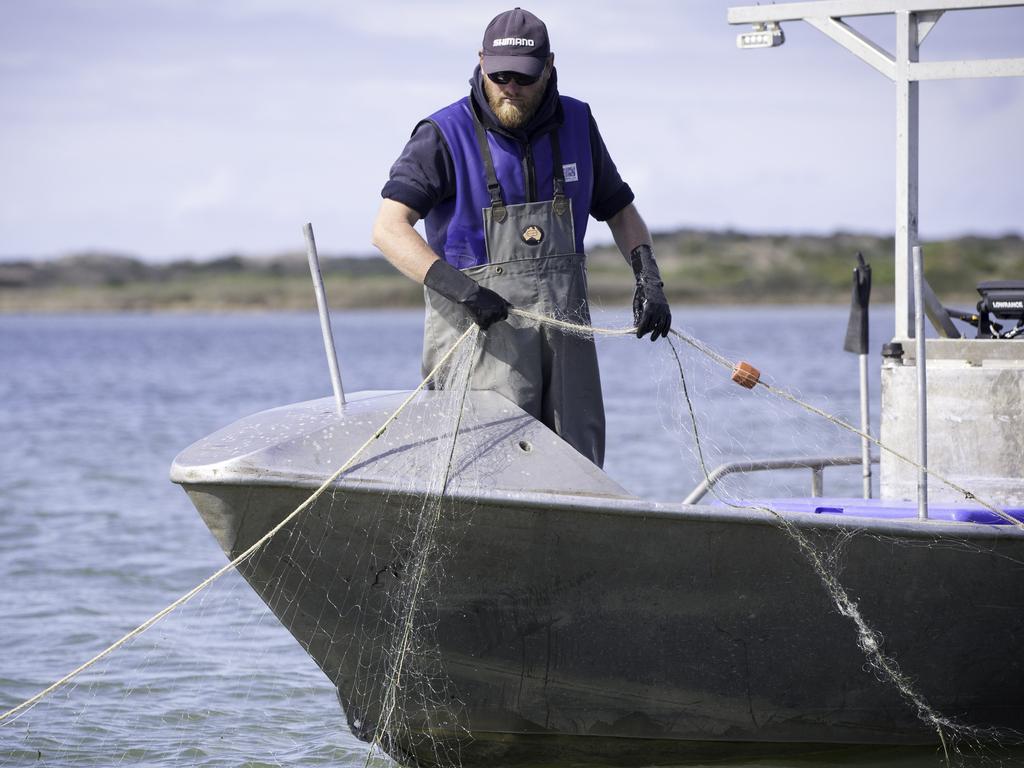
<point x="193" y="128"/>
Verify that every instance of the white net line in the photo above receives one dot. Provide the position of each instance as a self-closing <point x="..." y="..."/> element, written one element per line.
<point x="426" y="557"/>
<point x="13" y="712"/>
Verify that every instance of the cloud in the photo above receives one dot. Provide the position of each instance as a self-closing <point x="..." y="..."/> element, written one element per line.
<point x="216" y="124"/>
<point x="216" y="191"/>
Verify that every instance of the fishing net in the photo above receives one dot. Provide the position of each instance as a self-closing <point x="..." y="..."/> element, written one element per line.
<point x="377" y="631"/>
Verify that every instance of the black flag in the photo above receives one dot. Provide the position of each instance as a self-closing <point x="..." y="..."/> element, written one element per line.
<point x="857" y="329"/>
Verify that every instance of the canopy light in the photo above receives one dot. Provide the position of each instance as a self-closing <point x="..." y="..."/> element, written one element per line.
<point x="768" y="35"/>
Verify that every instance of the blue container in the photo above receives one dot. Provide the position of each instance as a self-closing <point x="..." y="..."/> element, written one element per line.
<point x="888" y="510"/>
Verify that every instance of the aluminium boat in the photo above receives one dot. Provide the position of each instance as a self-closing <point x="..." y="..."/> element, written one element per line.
<point x="560" y="617"/>
<point x="496" y="599"/>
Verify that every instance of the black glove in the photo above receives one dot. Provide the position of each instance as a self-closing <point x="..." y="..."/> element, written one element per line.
<point x="650" y="308"/>
<point x="483" y="304"/>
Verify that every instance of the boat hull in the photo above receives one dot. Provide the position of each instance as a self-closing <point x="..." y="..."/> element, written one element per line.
<point x="699" y="630"/>
<point x="534" y="610"/>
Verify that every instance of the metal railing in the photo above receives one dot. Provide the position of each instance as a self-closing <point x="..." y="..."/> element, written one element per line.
<point x="816" y="464"/>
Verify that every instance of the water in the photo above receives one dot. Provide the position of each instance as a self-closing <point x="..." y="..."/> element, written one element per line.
<point x="94" y="538"/>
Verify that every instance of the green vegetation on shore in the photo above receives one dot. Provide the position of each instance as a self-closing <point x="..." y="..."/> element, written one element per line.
<point x="697" y="266"/>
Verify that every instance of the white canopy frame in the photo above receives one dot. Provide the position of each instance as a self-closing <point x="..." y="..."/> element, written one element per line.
<point x="914" y="20"/>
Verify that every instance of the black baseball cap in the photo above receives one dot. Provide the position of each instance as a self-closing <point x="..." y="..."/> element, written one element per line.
<point x="516" y="41"/>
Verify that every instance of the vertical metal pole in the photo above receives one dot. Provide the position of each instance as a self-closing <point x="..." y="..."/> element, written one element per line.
<point x="817" y="483"/>
<point x="865" y="427"/>
<point x="907" y="128"/>
<point x="922" y="387"/>
<point x="857" y="333"/>
<point x="325" y="316"/>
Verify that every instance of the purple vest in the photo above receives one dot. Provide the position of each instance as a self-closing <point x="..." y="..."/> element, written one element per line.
<point x="454" y="227"/>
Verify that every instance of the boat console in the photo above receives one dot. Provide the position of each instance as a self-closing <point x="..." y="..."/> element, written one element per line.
<point x="1002" y="299"/>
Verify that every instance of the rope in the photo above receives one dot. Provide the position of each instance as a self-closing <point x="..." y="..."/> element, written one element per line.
<point x="868" y="639"/>
<point x="785" y="395"/>
<point x="571" y="327"/>
<point x="245" y="555"/>
<point x="422" y="543"/>
<point x="543" y="319"/>
<point x="969" y="495"/>
<point x="728" y="364"/>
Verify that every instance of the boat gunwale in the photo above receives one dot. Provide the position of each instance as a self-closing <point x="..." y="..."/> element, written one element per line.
<point x="241" y="470"/>
<point x="633" y="506"/>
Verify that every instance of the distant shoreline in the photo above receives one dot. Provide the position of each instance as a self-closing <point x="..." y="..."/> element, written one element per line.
<point x="698" y="267"/>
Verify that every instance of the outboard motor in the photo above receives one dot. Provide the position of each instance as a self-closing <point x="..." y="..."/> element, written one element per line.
<point x="1004" y="300"/>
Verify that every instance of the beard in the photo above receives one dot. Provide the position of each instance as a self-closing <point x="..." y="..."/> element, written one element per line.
<point x="515" y="115"/>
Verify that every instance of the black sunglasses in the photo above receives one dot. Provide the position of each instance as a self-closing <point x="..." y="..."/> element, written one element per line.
<point x="503" y="78"/>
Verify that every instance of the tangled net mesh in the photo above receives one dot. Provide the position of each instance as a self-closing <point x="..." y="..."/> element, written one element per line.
<point x="376" y="639"/>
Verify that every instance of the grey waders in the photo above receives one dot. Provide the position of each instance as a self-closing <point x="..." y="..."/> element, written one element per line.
<point x="532" y="262"/>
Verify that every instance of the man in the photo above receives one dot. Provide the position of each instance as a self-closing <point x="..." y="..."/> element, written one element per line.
<point x="506" y="179"/>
